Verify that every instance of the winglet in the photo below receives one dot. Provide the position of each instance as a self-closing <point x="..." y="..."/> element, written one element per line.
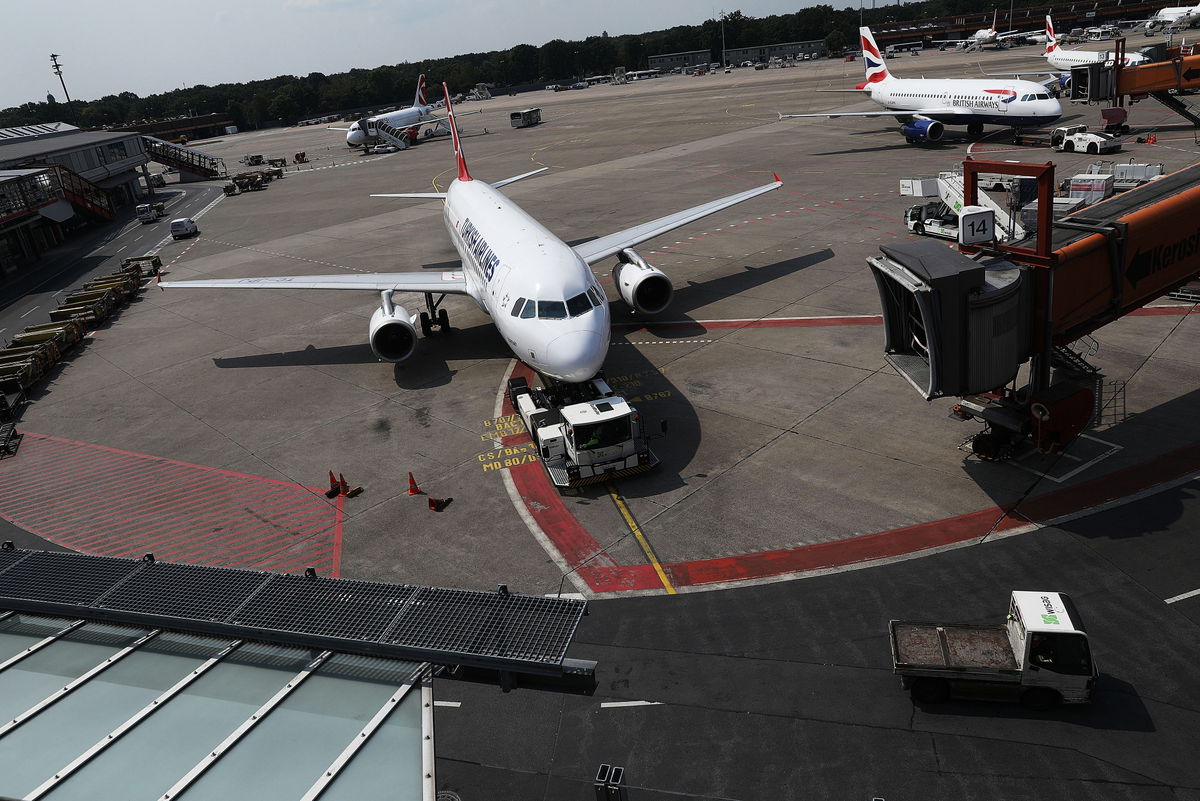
<point x="463" y="175"/>
<point x="777" y="178"/>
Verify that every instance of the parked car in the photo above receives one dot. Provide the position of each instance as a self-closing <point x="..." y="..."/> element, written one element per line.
<point x="384" y="149"/>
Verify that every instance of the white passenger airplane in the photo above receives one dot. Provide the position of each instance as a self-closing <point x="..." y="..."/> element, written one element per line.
<point x="984" y="37"/>
<point x="1065" y="59"/>
<point x="365" y="133"/>
<point x="924" y="106"/>
<point x="1177" y="16"/>
<point x="540" y="292"/>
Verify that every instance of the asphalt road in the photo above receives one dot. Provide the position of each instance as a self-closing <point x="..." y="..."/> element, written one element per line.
<point x="785" y="691"/>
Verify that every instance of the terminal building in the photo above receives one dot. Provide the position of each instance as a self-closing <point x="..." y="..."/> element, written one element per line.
<point x="788" y="50"/>
<point x="669" y="61"/>
<point x="55" y="177"/>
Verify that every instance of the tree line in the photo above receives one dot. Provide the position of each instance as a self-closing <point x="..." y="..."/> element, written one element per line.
<point x="290" y="98"/>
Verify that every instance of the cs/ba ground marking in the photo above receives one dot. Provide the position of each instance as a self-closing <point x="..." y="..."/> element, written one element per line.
<point x="512" y="456"/>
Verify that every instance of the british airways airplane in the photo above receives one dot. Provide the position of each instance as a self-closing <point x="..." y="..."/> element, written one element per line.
<point x="540" y="292"/>
<point x="924" y="106"/>
<point x="1065" y="59"/>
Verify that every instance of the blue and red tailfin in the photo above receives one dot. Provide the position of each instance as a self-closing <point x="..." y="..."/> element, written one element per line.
<point x="420" y="99"/>
<point x="1051" y="41"/>
<point x="873" y="62"/>
<point x="463" y="175"/>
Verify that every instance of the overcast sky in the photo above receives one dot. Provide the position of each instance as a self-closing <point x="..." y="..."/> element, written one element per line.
<point x="151" y="47"/>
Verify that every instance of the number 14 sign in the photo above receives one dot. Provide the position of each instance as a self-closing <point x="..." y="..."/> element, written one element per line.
<point x="976" y="225"/>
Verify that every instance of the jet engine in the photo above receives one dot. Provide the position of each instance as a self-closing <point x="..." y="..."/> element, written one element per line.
<point x="393" y="336"/>
<point x="921" y="130"/>
<point x="647" y="289"/>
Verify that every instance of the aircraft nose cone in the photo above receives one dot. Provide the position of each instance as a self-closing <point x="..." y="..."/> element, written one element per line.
<point x="576" y="356"/>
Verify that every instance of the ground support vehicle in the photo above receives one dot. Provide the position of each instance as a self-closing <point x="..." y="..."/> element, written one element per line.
<point x="934" y="219"/>
<point x="1039" y="657"/>
<point x="585" y="433"/>
<point x="1078" y="139"/>
<point x="183" y="227"/>
<point x="147" y="265"/>
<point x="151" y="212"/>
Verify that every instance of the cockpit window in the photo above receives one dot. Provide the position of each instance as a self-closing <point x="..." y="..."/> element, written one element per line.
<point x="1043" y="96"/>
<point x="552" y="310"/>
<point x="518" y="306"/>
<point x="579" y="304"/>
<point x="530" y="310"/>
<point x="597" y="298"/>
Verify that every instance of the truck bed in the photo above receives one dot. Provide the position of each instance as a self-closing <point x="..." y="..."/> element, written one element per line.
<point x="950" y="646"/>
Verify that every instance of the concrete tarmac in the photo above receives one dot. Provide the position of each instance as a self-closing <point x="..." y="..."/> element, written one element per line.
<point x="781" y="438"/>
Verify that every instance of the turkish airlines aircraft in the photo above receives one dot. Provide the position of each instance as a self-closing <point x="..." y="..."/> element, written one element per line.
<point x="985" y="36"/>
<point x="364" y="133"/>
<point x="540" y="292"/>
<point x="923" y="106"/>
<point x="1065" y="59"/>
<point x="1179" y="16"/>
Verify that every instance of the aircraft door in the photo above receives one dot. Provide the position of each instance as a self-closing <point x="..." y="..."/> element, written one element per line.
<point x="1010" y="95"/>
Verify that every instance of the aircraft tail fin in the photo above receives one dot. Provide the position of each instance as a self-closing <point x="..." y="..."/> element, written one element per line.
<point x="420" y="99"/>
<point x="463" y="175"/>
<point x="873" y="62"/>
<point x="1051" y="41"/>
<point x="995" y="16"/>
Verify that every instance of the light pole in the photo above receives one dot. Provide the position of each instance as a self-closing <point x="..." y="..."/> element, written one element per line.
<point x="58" y="71"/>
<point x="724" y="59"/>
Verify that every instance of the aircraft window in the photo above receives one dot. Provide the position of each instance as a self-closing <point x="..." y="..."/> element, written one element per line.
<point x="552" y="310"/>
<point x="579" y="304"/>
<point x="1042" y="96"/>
<point x="530" y="310"/>
<point x="597" y="298"/>
<point x="518" y="306"/>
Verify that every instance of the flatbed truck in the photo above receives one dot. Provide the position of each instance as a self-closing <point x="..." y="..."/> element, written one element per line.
<point x="1040" y="656"/>
<point x="585" y="433"/>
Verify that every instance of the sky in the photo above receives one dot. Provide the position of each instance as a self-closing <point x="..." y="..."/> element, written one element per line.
<point x="147" y="48"/>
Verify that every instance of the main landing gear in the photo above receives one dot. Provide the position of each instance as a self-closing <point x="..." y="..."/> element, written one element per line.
<point x="433" y="316"/>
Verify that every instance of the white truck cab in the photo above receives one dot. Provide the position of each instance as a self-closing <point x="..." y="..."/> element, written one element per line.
<point x="1048" y="637"/>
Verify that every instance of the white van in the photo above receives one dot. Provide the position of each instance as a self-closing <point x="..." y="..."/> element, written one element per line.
<point x="183" y="227"/>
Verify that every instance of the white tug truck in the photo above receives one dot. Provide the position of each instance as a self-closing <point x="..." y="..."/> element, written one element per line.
<point x="150" y="212"/>
<point x="1039" y="657"/>
<point x="585" y="433"/>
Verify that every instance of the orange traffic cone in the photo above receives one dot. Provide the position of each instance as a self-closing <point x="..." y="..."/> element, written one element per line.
<point x="343" y="487"/>
<point x="334" y="488"/>
<point x="413" y="489"/>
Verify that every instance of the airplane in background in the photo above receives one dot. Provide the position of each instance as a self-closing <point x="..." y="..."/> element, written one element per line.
<point x="1065" y="59"/>
<point x="924" y="106"/>
<point x="365" y="133"/>
<point x="985" y="36"/>
<point x="1176" y="16"/>
<point x="540" y="292"/>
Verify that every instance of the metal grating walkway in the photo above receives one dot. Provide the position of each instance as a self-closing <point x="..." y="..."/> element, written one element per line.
<point x="116" y="503"/>
<point x="493" y="631"/>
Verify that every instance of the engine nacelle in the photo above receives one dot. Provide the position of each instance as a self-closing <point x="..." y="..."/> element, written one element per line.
<point x="923" y="130"/>
<point x="393" y="336"/>
<point x="647" y="289"/>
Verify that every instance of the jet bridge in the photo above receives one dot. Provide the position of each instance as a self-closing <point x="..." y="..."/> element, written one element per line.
<point x="965" y="323"/>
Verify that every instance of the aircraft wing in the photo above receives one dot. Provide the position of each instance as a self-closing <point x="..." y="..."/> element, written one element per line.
<point x="605" y="246"/>
<point x="449" y="283"/>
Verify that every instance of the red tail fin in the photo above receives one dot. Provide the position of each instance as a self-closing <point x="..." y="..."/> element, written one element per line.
<point x="463" y="175"/>
<point x="420" y="99"/>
